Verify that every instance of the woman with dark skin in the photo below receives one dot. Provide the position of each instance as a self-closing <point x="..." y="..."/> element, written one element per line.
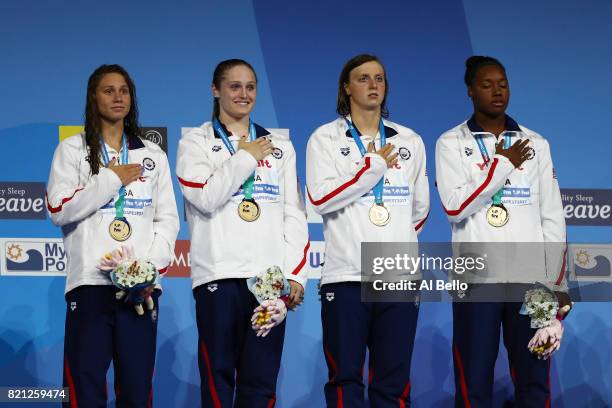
<point x="497" y="185"/>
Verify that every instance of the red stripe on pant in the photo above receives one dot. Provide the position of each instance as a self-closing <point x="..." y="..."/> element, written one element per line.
<point x="211" y="381"/>
<point x="464" y="392"/>
<point x="71" y="387"/>
<point x="272" y="402"/>
<point x="334" y="367"/>
<point x="404" y="397"/>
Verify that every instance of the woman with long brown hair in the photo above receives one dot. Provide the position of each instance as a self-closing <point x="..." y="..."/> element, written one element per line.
<point x="110" y="191"/>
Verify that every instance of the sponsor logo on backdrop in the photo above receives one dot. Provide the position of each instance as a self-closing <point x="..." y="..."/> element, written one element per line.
<point x="181" y="264"/>
<point x="33" y="257"/>
<point x="587" y="207"/>
<point x="316" y="259"/>
<point x="157" y="135"/>
<point x="591" y="262"/>
<point x="22" y="200"/>
<point x="66" y="131"/>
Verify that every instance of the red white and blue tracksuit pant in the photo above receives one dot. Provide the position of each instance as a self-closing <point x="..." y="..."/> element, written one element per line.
<point x="99" y="328"/>
<point x="476" y="332"/>
<point x="231" y="357"/>
<point x="350" y="326"/>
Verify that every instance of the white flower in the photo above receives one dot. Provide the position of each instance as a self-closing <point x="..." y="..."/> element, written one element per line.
<point x="542" y="307"/>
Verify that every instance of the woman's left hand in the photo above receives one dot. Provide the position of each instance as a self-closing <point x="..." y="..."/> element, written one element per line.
<point x="296" y="295"/>
<point x="267" y="315"/>
<point x="548" y="339"/>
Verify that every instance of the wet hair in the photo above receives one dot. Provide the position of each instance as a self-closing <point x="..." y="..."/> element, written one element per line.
<point x="343" y="107"/>
<point x="219" y="74"/>
<point x="474" y="63"/>
<point x="93" y="126"/>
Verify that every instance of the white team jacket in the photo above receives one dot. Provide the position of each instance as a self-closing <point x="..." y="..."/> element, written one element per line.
<point x="222" y="244"/>
<point x="83" y="205"/>
<point x="340" y="184"/>
<point x="531" y="196"/>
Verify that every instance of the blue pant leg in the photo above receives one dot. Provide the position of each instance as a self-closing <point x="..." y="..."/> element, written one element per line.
<point x="345" y="332"/>
<point x="88" y="344"/>
<point x="135" y="341"/>
<point x="259" y="362"/>
<point x="476" y="331"/>
<point x="221" y="332"/>
<point x="391" y="341"/>
<point x="531" y="376"/>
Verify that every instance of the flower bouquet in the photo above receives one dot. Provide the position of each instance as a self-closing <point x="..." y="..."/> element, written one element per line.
<point x="135" y="277"/>
<point x="271" y="289"/>
<point x="542" y="306"/>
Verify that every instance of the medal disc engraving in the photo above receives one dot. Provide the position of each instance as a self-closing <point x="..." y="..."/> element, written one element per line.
<point x="248" y="210"/>
<point x="497" y="215"/>
<point x="379" y="215"/>
<point x="120" y="229"/>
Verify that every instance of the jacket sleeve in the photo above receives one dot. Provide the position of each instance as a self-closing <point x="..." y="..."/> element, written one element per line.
<point x="166" y="220"/>
<point x="295" y="226"/>
<point x="329" y="191"/>
<point x="70" y="201"/>
<point x="203" y="185"/>
<point x="553" y="220"/>
<point x="461" y="194"/>
<point x="420" y="201"/>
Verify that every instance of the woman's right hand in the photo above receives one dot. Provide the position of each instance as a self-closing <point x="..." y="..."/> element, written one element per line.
<point x="126" y="172"/>
<point x="517" y="153"/>
<point x="259" y="148"/>
<point x="385" y="152"/>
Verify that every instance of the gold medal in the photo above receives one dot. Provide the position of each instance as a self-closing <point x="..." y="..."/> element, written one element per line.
<point x="248" y="210"/>
<point x="497" y="215"/>
<point x="119" y="229"/>
<point x="379" y="215"/>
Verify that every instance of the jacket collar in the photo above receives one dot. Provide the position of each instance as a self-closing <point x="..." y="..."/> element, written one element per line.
<point x="135" y="142"/>
<point x="389" y="132"/>
<point x="511" y="125"/>
<point x="259" y="131"/>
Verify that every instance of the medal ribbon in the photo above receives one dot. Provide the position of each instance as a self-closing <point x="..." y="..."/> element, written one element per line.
<point x="248" y="184"/>
<point x="485" y="156"/>
<point x="378" y="188"/>
<point x="120" y="202"/>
